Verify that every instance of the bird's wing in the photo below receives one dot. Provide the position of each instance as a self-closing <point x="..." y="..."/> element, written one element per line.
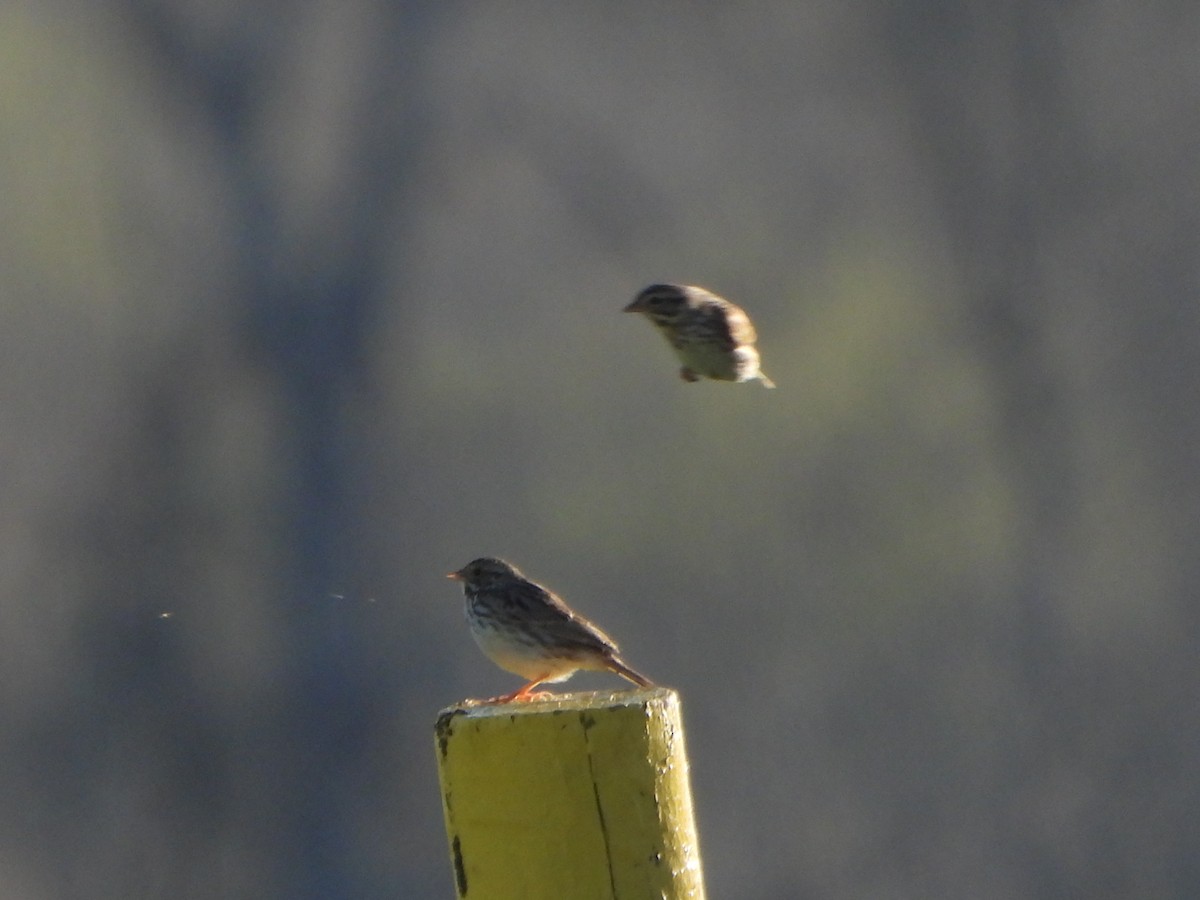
<point x="740" y="329"/>
<point x="727" y="319"/>
<point x="545" y="611"/>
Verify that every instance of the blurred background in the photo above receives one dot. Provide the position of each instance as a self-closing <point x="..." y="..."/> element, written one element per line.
<point x="304" y="304"/>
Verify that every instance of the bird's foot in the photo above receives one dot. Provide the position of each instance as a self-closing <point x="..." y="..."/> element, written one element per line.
<point x="521" y="695"/>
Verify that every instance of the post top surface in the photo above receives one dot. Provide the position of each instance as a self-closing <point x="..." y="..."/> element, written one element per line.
<point x="571" y="702"/>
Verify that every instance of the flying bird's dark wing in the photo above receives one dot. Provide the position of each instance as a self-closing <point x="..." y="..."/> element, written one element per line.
<point x="727" y="319"/>
<point x="740" y="328"/>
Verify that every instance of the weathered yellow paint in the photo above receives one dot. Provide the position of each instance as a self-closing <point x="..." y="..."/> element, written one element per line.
<point x="577" y="797"/>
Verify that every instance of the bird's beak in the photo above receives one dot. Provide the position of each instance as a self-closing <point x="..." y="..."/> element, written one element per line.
<point x="457" y="576"/>
<point x="635" y="306"/>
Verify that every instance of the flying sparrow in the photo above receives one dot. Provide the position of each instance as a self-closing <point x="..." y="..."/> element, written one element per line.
<point x="712" y="337"/>
<point x="526" y="629"/>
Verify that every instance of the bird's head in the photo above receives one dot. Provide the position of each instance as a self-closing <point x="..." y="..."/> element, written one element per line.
<point x="663" y="303"/>
<point x="485" y="571"/>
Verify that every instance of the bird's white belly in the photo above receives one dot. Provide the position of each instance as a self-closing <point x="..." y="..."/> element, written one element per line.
<point x="521" y="659"/>
<point x="711" y="361"/>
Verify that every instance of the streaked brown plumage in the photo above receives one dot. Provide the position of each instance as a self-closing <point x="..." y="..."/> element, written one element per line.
<point x="712" y="337"/>
<point x="526" y="629"/>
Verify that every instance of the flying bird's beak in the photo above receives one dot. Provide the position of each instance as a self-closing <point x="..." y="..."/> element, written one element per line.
<point x="635" y="306"/>
<point x="457" y="576"/>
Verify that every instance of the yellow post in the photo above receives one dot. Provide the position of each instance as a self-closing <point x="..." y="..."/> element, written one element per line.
<point x="581" y="796"/>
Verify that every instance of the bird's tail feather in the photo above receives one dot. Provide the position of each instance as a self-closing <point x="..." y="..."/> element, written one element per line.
<point x="615" y="664"/>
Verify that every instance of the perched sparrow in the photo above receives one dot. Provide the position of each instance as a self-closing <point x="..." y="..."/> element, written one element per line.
<point x="526" y="629"/>
<point x="712" y="337"/>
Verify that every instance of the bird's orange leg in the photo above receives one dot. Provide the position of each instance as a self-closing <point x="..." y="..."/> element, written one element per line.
<point x="523" y="693"/>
